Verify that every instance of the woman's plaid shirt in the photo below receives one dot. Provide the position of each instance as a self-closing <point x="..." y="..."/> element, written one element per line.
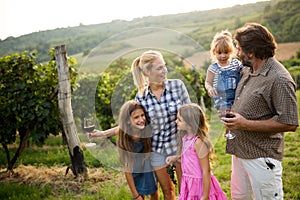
<point x="163" y="114"/>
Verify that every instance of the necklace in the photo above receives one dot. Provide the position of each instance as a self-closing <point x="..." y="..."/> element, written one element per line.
<point x="157" y="92"/>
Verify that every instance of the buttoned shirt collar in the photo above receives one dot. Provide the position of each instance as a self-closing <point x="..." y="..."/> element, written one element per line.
<point x="265" y="68"/>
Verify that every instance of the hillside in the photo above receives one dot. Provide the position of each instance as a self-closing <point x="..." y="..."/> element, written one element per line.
<point x="284" y="52"/>
<point x="280" y="16"/>
<point x="287" y="50"/>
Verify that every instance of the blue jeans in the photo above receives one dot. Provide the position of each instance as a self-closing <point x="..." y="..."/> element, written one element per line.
<point x="226" y="86"/>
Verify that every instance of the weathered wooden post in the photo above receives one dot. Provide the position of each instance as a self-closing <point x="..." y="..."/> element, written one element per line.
<point x="66" y="113"/>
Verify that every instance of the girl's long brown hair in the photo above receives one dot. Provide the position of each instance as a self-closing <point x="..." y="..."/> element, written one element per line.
<point x="125" y="135"/>
<point x="194" y="116"/>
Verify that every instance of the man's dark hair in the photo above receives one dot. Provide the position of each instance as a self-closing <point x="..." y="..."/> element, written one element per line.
<point x="257" y="39"/>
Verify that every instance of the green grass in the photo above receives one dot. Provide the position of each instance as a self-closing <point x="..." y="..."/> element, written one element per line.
<point x="19" y="192"/>
<point x="118" y="189"/>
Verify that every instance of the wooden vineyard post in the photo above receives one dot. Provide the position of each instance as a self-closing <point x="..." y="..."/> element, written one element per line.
<point x="64" y="103"/>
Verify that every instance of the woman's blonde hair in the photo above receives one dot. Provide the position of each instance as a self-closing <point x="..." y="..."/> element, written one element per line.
<point x="141" y="63"/>
<point x="222" y="42"/>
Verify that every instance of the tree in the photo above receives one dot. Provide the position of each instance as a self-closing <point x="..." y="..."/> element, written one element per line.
<point x="28" y="102"/>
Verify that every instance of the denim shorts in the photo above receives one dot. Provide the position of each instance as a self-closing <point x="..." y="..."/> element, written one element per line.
<point x="158" y="159"/>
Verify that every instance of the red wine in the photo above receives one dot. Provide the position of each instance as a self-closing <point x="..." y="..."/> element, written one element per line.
<point x="89" y="128"/>
<point x="229" y="115"/>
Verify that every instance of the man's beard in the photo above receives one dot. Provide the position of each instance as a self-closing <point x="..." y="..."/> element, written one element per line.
<point x="246" y="61"/>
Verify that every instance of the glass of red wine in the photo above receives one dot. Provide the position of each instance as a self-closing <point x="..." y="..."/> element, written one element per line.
<point x="88" y="127"/>
<point x="228" y="114"/>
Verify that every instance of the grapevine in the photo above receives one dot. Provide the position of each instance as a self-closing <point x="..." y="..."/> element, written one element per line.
<point x="171" y="172"/>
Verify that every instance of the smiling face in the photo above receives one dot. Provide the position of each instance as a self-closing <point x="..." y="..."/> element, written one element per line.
<point x="138" y="119"/>
<point x="158" y="71"/>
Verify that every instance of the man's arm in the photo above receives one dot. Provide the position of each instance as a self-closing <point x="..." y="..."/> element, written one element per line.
<point x="265" y="126"/>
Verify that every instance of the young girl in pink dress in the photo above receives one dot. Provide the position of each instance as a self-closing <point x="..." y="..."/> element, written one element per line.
<point x="197" y="183"/>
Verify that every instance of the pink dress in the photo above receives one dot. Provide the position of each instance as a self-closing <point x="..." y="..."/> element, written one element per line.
<point x="191" y="183"/>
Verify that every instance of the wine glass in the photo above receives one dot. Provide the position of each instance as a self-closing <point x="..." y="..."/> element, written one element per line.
<point x="228" y="114"/>
<point x="88" y="127"/>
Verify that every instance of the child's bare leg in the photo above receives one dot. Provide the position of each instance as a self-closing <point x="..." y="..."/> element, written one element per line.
<point x="155" y="195"/>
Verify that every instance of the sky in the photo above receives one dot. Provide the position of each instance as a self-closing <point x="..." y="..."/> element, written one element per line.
<point x="20" y="17"/>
